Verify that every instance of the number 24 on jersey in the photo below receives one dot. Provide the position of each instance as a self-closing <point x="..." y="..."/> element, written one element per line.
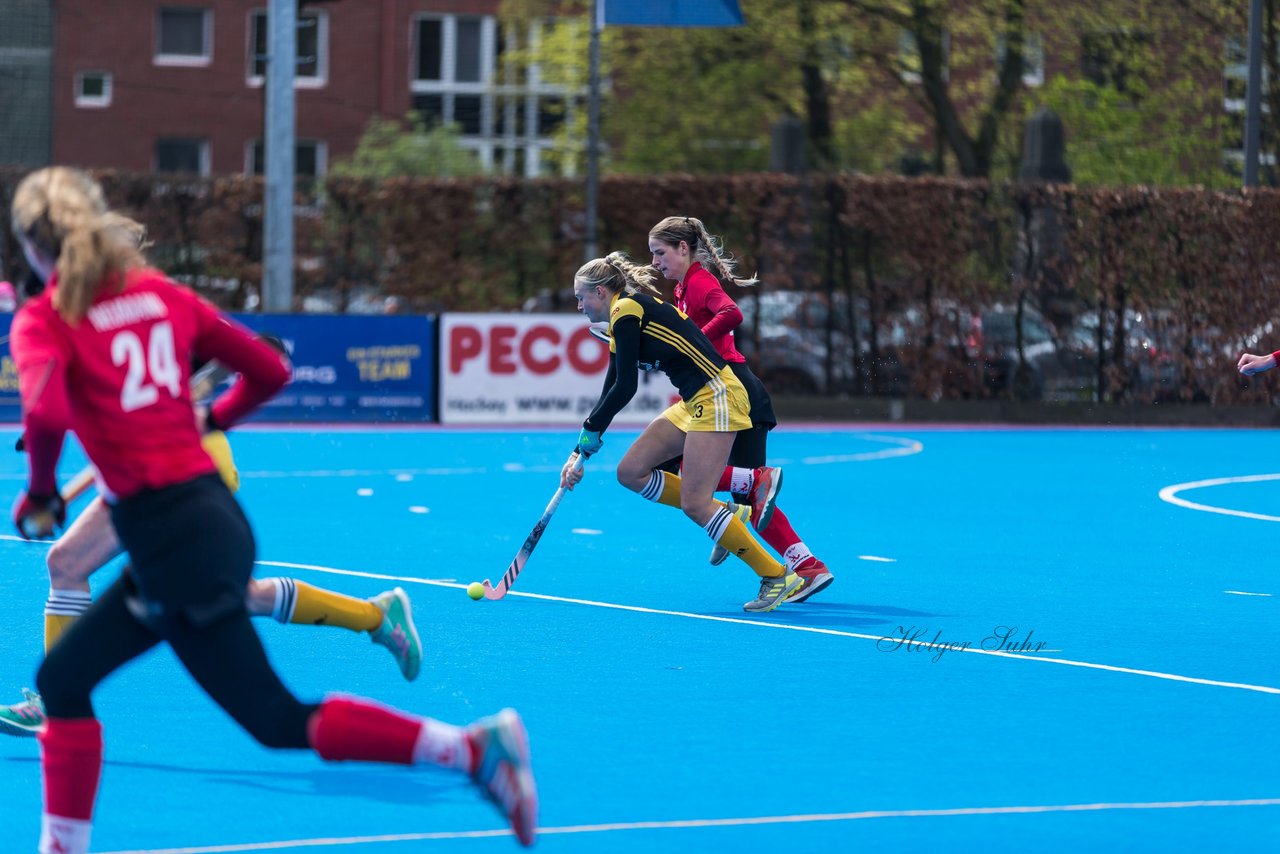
<point x="148" y="367"/>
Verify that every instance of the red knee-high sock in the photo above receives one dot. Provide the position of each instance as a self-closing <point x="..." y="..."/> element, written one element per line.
<point x="71" y="758"/>
<point x="780" y="534"/>
<point x="726" y="479"/>
<point x="351" y="728"/>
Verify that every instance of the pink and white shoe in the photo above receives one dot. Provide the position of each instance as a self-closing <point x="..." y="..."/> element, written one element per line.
<point x="503" y="771"/>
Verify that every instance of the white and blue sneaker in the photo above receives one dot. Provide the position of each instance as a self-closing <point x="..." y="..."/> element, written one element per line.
<point x="397" y="632"/>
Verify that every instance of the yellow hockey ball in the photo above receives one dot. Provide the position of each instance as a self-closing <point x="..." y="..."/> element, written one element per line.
<point x="475" y="590"/>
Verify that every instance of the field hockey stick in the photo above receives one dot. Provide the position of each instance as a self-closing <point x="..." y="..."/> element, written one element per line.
<point x="203" y="382"/>
<point x="531" y="542"/>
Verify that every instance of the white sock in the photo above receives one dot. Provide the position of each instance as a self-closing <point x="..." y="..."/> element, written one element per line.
<point x="442" y="744"/>
<point x="60" y="835"/>
<point x="796" y="554"/>
<point x="286" y="599"/>
<point x="67" y="603"/>
<point x="742" y="480"/>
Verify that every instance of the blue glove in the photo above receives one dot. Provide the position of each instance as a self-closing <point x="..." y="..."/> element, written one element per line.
<point x="589" y="441"/>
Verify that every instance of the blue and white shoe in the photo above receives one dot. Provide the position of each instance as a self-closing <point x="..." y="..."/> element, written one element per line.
<point x="397" y="632"/>
<point x="23" y="719"/>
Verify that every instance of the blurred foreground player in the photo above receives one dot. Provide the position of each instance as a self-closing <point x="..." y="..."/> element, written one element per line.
<point x="105" y="351"/>
<point x="91" y="542"/>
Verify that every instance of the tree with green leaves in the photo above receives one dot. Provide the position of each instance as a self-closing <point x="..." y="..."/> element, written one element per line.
<point x="873" y="80"/>
<point x="390" y="148"/>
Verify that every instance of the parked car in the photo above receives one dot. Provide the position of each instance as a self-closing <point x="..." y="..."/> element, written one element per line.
<point x="1050" y="368"/>
<point x="784" y="337"/>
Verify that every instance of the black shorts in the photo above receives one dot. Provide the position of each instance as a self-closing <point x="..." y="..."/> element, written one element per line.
<point x="190" y="549"/>
<point x="761" y="404"/>
<point x="750" y="446"/>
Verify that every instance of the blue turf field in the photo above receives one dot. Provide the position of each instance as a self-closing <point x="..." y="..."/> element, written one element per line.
<point x="664" y="718"/>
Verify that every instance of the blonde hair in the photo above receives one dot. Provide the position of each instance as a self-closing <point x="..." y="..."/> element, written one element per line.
<point x="707" y="249"/>
<point x="64" y="213"/>
<point x="616" y="273"/>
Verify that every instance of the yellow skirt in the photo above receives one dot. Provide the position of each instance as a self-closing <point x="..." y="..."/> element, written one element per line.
<point x="720" y="406"/>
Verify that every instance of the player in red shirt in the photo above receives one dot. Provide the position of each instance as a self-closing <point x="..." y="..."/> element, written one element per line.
<point x="685" y="253"/>
<point x="90" y="542"/>
<point x="105" y="351"/>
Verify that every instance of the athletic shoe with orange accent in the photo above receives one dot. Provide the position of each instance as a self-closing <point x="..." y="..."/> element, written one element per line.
<point x="816" y="578"/>
<point x="503" y="771"/>
<point x="766" y="484"/>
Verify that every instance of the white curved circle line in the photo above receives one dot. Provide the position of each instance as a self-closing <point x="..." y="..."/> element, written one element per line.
<point x="1170" y="494"/>
<point x="906" y="448"/>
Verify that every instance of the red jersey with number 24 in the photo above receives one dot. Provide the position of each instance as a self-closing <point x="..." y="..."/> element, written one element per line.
<point x="120" y="379"/>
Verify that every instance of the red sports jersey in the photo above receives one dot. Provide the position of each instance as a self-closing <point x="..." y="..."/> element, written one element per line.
<point x="700" y="296"/>
<point x="120" y="380"/>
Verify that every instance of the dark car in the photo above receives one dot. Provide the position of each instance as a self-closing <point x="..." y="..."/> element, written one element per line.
<point x="1049" y="367"/>
<point x="784" y="337"/>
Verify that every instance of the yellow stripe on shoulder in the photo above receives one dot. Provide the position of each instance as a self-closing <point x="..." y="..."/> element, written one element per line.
<point x="625" y="308"/>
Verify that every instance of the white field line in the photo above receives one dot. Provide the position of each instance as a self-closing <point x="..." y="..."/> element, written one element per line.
<point x="1172" y="677"/>
<point x="1066" y="662"/>
<point x="682" y="824"/>
<point x="1170" y="494"/>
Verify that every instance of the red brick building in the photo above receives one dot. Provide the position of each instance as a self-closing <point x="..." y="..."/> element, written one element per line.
<point x="177" y="85"/>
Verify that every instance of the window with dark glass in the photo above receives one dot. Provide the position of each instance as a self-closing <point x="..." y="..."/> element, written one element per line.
<point x="430" y="43"/>
<point x="306" y="159"/>
<point x="467" y="51"/>
<point x="182" y="32"/>
<point x="180" y="155"/>
<point x="467" y="113"/>
<point x="309" y="44"/>
<point x="430" y="107"/>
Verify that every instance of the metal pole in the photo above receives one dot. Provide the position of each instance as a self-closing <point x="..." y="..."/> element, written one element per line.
<point x="593" y="129"/>
<point x="277" y="225"/>
<point x="1253" y="98"/>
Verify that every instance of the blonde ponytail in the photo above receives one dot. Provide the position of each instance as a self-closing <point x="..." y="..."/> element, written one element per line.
<point x="616" y="273"/>
<point x="64" y="214"/>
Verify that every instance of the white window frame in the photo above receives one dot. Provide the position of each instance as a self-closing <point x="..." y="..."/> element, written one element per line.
<point x="491" y="149"/>
<point x="320" y="79"/>
<point x="1237" y="106"/>
<point x="93" y="101"/>
<point x="1032" y="58"/>
<point x="448" y="87"/>
<point x="206" y="158"/>
<point x="182" y="59"/>
<point x="320" y="145"/>
<point x="907" y="46"/>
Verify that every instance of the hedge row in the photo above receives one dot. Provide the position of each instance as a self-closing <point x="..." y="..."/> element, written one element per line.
<point x="1149" y="293"/>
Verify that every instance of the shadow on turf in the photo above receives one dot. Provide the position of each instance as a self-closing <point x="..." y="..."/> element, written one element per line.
<point x="384" y="784"/>
<point x="833" y="614"/>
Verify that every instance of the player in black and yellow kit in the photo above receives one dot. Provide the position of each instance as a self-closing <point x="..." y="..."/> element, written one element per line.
<point x="649" y="334"/>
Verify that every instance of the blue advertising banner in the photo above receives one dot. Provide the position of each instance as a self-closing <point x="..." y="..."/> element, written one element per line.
<point x="672" y="13"/>
<point x="353" y="367"/>
<point x="10" y="402"/>
<point x="379" y="368"/>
